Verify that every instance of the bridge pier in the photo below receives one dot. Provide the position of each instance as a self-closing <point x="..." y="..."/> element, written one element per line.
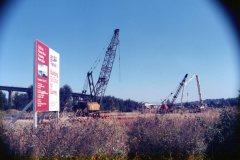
<point x="9" y="99"/>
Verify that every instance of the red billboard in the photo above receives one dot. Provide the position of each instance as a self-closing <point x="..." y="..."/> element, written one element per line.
<point x="46" y="78"/>
<point x="41" y="76"/>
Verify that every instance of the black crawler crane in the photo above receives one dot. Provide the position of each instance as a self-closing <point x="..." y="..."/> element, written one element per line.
<point x="91" y="105"/>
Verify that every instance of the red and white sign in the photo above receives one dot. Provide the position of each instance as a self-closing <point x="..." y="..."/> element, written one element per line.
<point x="46" y="78"/>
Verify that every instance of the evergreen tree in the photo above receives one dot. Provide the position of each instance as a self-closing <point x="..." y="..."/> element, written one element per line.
<point x="3" y="100"/>
<point x="65" y="97"/>
<point x="20" y="100"/>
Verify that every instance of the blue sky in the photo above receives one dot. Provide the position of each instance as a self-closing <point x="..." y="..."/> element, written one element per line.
<point x="160" y="41"/>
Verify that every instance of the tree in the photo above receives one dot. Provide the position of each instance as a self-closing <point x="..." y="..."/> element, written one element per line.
<point x="130" y="105"/>
<point x="20" y="100"/>
<point x="225" y="142"/>
<point x="65" y="97"/>
<point x="30" y="93"/>
<point x="3" y="100"/>
<point x="111" y="103"/>
<point x="239" y="101"/>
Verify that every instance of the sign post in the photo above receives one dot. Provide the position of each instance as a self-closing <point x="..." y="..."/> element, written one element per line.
<point x="45" y="80"/>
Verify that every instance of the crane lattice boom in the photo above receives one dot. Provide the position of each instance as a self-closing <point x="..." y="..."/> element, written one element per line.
<point x="179" y="89"/>
<point x="107" y="65"/>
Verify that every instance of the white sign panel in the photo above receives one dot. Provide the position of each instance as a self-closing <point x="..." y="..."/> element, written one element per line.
<point x="53" y="80"/>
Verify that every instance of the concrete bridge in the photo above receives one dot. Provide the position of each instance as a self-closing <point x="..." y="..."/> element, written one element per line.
<point x="29" y="90"/>
<point x="10" y="90"/>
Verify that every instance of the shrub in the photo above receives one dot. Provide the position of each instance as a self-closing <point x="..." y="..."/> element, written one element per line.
<point x="20" y="100"/>
<point x="165" y="138"/>
<point x="3" y="100"/>
<point x="57" y="139"/>
<point x="169" y="136"/>
<point x="222" y="137"/>
<point x="65" y="97"/>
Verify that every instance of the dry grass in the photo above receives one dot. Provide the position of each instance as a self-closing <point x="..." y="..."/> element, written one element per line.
<point x="116" y="135"/>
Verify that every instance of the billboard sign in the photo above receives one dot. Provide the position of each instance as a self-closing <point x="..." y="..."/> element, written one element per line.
<point x="46" y="78"/>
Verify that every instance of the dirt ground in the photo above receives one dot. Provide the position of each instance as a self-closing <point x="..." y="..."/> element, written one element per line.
<point x="124" y="118"/>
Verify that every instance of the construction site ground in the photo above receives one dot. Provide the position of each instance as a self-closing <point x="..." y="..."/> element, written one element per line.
<point x="124" y="118"/>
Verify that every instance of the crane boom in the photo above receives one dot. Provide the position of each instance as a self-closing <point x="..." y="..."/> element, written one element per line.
<point x="179" y="89"/>
<point x="107" y="65"/>
<point x="201" y="104"/>
<point x="199" y="92"/>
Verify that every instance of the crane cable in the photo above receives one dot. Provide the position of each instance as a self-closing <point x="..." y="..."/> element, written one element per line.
<point x="100" y="56"/>
<point x="119" y="65"/>
<point x="97" y="61"/>
<point x="186" y="85"/>
<point x="93" y="67"/>
<point x="85" y="86"/>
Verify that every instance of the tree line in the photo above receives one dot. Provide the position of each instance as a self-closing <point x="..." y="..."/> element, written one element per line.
<point x="108" y="103"/>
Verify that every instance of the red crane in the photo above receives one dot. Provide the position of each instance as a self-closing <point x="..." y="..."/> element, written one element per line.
<point x="167" y="106"/>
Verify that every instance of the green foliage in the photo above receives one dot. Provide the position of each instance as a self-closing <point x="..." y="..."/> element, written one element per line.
<point x="163" y="139"/>
<point x="110" y="103"/>
<point x="3" y="100"/>
<point x="222" y="136"/>
<point x="239" y="101"/>
<point x="4" y="152"/>
<point x="20" y="100"/>
<point x="30" y="93"/>
<point x="65" y="97"/>
<point x="130" y="105"/>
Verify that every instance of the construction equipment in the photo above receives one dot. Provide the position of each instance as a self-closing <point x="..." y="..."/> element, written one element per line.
<point x="201" y="106"/>
<point x="97" y="91"/>
<point x="167" y="105"/>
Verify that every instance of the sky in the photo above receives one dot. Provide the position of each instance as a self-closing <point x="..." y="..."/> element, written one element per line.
<point x="160" y="41"/>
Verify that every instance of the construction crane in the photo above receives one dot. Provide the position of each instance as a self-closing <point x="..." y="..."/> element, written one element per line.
<point x="167" y="106"/>
<point x="97" y="91"/>
<point x="201" y="105"/>
<point x="179" y="89"/>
